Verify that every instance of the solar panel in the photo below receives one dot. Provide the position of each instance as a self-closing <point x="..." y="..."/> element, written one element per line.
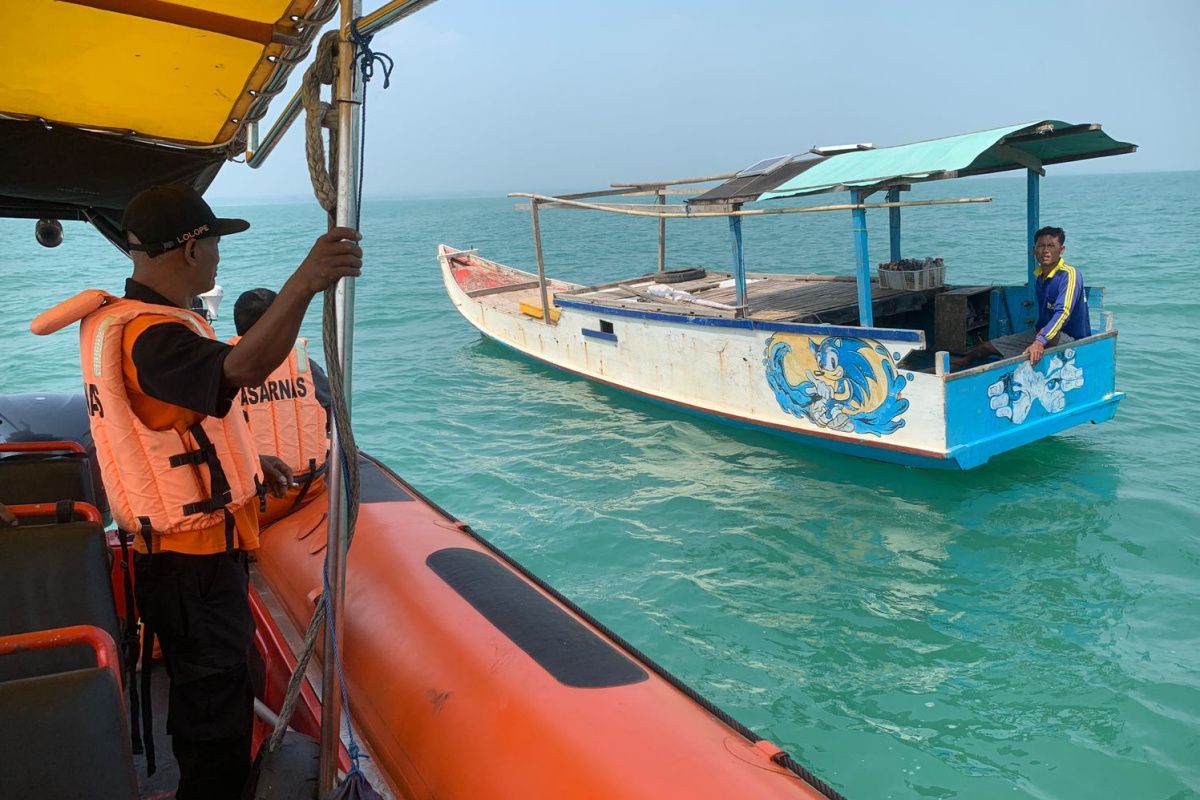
<point x="834" y="149"/>
<point x="764" y="166"/>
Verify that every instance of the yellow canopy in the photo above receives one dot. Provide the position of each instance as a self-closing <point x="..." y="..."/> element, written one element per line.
<point x="170" y="71"/>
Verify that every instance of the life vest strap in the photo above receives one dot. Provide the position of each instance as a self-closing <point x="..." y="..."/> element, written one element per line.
<point x="130" y="644"/>
<point x="260" y="489"/>
<point x="222" y="494"/>
<point x="210" y="506"/>
<point x="147" y="654"/>
<point x="190" y="457"/>
<point x="313" y="474"/>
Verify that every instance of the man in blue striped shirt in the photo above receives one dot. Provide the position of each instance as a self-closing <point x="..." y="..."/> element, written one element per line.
<point x="1061" y="303"/>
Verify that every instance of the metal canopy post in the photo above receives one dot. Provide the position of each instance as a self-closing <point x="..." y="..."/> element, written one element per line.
<point x="349" y="93"/>
<point x="541" y="264"/>
<point x="866" y="314"/>
<point x="1033" y="213"/>
<point x="662" y="233"/>
<point x="739" y="261"/>
<point x="893" y="196"/>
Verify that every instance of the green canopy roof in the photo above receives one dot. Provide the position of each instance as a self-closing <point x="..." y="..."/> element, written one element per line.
<point x="1029" y="145"/>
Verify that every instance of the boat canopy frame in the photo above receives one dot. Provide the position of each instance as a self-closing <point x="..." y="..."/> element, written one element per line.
<point x="863" y="170"/>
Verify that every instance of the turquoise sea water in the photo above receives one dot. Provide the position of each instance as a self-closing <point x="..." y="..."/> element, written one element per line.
<point x="1026" y="629"/>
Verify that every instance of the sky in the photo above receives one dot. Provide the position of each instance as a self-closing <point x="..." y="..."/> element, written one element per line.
<point x="493" y="96"/>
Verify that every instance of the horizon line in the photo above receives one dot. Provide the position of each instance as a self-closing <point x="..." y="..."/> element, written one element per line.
<point x="494" y="194"/>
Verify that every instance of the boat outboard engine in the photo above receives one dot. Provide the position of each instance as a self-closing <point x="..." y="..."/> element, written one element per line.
<point x="49" y="232"/>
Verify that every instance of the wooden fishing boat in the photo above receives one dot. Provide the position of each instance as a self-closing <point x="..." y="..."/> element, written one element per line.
<point x="859" y="365"/>
<point x="467" y="677"/>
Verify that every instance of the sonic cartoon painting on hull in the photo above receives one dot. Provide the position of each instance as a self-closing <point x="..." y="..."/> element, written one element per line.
<point x="838" y="383"/>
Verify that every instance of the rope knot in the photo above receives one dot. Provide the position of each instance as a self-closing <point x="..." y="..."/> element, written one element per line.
<point x="367" y="58"/>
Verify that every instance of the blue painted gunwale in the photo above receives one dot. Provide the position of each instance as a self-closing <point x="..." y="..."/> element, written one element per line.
<point x="883" y="334"/>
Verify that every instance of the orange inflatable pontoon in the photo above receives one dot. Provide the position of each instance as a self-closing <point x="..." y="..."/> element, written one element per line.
<point x="468" y="678"/>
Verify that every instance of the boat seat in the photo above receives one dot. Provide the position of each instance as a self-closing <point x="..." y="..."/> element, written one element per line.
<point x="53" y="576"/>
<point x="27" y="478"/>
<point x="65" y="737"/>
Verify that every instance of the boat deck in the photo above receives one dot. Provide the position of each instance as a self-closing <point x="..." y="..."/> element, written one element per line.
<point x="806" y="299"/>
<point x="815" y="299"/>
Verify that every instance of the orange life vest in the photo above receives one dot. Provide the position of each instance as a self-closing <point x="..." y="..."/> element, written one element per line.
<point x="285" y="417"/>
<point x="172" y="481"/>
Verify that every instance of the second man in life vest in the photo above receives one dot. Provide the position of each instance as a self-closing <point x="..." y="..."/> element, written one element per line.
<point x="288" y="413"/>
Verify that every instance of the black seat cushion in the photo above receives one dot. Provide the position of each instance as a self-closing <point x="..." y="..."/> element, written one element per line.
<point x="65" y="736"/>
<point x="46" y="478"/>
<point x="52" y="576"/>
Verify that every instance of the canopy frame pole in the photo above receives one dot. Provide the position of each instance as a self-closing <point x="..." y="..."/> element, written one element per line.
<point x="893" y="196"/>
<point x="541" y="263"/>
<point x="1033" y="213"/>
<point x="739" y="262"/>
<point x="349" y="96"/>
<point x="858" y="216"/>
<point x="662" y="233"/>
<point x="650" y="210"/>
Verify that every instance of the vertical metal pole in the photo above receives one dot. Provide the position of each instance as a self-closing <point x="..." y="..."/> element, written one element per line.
<point x="866" y="313"/>
<point x="541" y="264"/>
<point x="739" y="262"/>
<point x="1033" y="212"/>
<point x="662" y="234"/>
<point x="348" y="92"/>
<point x="893" y="196"/>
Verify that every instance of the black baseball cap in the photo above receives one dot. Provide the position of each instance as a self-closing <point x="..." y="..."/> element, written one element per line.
<point x="166" y="217"/>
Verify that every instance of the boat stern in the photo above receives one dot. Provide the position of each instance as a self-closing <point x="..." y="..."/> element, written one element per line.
<point x="997" y="407"/>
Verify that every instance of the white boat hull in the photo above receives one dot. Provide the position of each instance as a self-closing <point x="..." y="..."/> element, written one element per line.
<point x="761" y="374"/>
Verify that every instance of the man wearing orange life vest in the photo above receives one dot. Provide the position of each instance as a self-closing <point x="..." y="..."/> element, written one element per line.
<point x="288" y="413"/>
<point x="180" y="470"/>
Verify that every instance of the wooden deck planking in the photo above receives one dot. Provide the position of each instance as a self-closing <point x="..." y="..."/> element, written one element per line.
<point x="810" y="298"/>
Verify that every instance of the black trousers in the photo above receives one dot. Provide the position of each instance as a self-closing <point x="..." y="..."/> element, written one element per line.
<point x="199" y="608"/>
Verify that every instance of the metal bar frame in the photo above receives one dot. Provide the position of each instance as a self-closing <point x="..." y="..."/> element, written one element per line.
<point x="858" y="216"/>
<point x="893" y="196"/>
<point x="650" y="210"/>
<point x="541" y="263"/>
<point x="739" y="264"/>
<point x="1033" y="213"/>
<point x="662" y="233"/>
<point x="349" y="94"/>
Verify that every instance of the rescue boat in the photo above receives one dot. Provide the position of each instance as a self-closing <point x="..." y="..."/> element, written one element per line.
<point x="467" y="676"/>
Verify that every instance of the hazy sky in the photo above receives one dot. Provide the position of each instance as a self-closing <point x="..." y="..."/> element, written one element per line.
<point x="491" y="96"/>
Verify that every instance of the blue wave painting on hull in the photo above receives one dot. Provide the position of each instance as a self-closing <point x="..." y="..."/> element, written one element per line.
<point x="838" y="383"/>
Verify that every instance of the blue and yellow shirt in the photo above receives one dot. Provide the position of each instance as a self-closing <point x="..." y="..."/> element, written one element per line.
<point x="1061" y="302"/>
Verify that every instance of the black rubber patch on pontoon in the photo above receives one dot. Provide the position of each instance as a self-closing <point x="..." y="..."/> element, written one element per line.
<point x="375" y="484"/>
<point x="563" y="646"/>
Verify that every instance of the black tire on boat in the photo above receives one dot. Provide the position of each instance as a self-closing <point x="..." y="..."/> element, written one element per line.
<point x="290" y="773"/>
<point x="680" y="275"/>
